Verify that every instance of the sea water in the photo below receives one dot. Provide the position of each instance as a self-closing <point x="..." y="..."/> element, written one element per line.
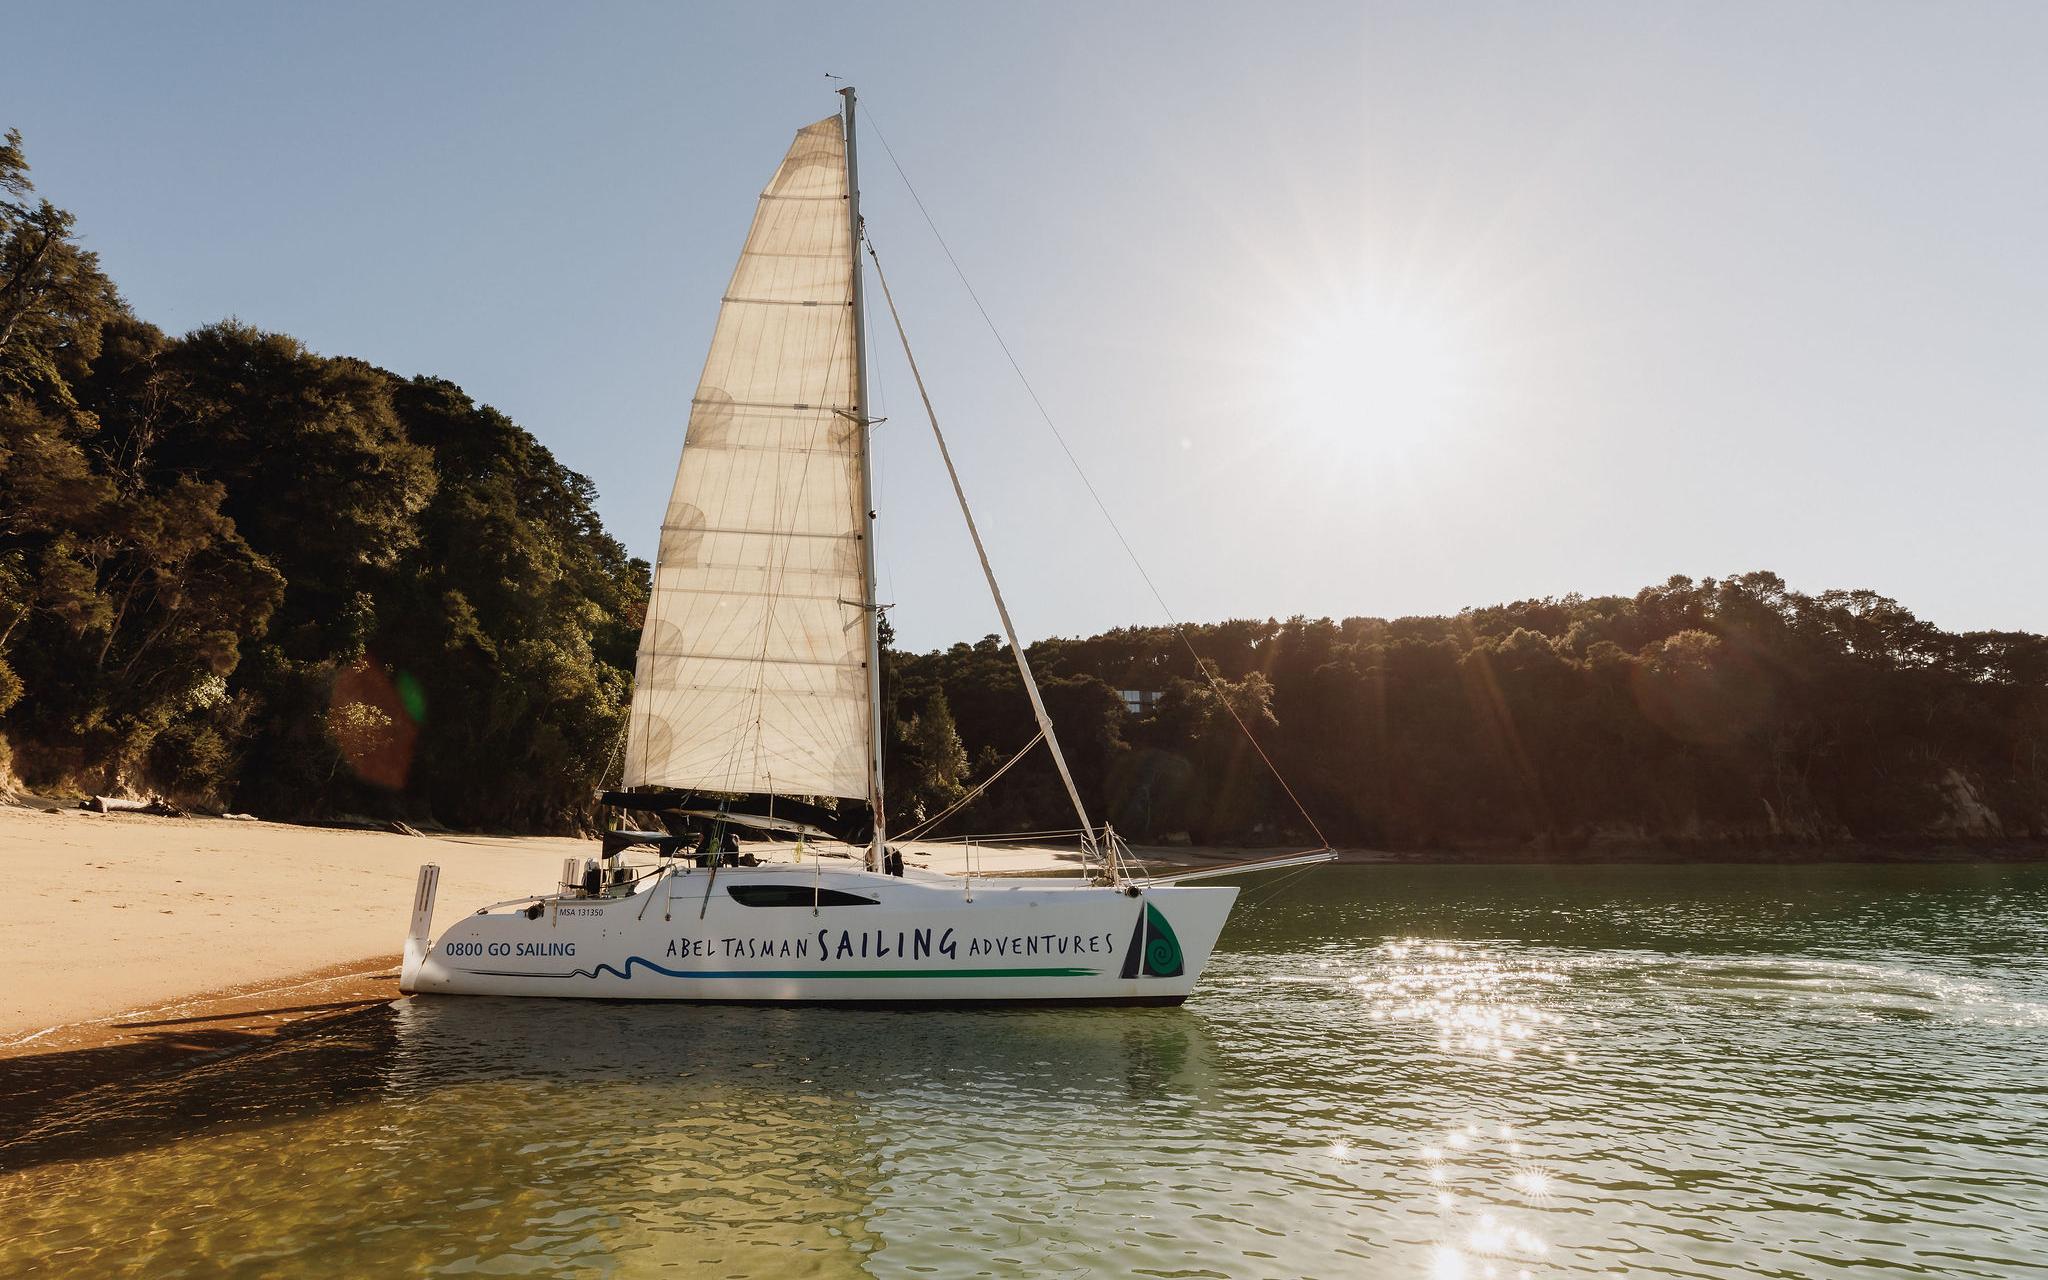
<point x="1387" y="1071"/>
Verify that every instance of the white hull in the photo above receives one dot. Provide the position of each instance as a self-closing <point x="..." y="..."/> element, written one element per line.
<point x="776" y="934"/>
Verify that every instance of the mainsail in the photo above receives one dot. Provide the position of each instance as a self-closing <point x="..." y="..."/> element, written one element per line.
<point x="752" y="667"/>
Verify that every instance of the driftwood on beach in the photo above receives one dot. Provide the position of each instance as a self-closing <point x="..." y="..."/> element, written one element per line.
<point x="156" y="805"/>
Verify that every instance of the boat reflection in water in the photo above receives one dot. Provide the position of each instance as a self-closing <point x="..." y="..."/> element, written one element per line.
<point x="756" y="1140"/>
<point x="547" y="1137"/>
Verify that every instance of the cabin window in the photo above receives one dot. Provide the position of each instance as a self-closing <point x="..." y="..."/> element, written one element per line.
<point x="794" y="895"/>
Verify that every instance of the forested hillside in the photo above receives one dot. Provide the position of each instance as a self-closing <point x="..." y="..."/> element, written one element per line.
<point x="248" y="576"/>
<point x="1730" y="710"/>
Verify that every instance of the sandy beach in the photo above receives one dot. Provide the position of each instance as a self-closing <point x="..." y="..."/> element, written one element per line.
<point x="115" y="913"/>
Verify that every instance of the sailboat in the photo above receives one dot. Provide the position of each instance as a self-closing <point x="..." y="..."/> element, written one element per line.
<point x="757" y="707"/>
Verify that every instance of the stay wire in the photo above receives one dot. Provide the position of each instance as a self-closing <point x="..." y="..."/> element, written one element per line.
<point x="930" y="824"/>
<point x="1268" y="892"/>
<point x="1215" y="684"/>
<point x="618" y="756"/>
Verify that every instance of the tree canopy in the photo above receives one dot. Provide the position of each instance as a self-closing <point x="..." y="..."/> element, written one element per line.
<point x="250" y="575"/>
<point x="1718" y="710"/>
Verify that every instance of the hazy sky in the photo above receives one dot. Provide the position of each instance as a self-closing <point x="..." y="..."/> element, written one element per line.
<point x="1347" y="309"/>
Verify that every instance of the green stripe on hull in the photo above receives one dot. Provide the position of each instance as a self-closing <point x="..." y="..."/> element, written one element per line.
<point x="891" y="973"/>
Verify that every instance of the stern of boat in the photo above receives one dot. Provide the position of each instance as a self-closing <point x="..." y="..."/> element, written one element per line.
<point x="419" y="937"/>
<point x="1173" y="934"/>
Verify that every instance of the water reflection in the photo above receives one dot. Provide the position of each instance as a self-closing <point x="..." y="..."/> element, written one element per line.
<point x="1460" y="1072"/>
<point x="102" y="1101"/>
<point x="529" y="1137"/>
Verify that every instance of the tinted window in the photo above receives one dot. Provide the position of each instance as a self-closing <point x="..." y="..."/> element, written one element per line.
<point x="793" y="895"/>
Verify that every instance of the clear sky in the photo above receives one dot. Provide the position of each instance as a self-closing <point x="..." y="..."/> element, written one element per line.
<point x="1347" y="309"/>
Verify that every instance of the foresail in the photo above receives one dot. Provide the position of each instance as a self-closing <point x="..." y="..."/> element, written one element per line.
<point x="752" y="666"/>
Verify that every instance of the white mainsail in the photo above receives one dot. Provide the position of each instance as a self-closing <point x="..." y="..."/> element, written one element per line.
<point x="752" y="673"/>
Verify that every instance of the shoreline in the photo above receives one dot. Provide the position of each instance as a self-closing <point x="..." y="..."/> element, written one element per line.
<point x="42" y="1072"/>
<point x="57" y="1084"/>
<point x="247" y="1009"/>
<point x="1648" y="853"/>
<point x="201" y="935"/>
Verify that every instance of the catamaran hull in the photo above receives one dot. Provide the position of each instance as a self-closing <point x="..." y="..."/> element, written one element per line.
<point x="693" y="937"/>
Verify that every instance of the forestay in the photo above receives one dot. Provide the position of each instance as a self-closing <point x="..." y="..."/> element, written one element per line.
<point x="751" y="673"/>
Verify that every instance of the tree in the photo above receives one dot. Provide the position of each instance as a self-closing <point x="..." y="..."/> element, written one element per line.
<point x="242" y="571"/>
<point x="53" y="296"/>
<point x="935" y="759"/>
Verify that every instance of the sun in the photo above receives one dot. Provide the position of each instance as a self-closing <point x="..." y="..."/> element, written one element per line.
<point x="1384" y="378"/>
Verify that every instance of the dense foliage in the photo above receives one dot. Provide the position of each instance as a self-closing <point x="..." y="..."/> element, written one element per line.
<point x="1715" y="710"/>
<point x="250" y="576"/>
<point x="247" y="575"/>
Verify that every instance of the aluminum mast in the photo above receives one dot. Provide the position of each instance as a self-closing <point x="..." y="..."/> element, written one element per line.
<point x="872" y="616"/>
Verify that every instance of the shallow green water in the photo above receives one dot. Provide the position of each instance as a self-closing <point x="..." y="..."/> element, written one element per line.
<point x="1710" y="1071"/>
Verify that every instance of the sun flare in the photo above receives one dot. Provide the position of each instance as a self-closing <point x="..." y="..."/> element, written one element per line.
<point x="1377" y="377"/>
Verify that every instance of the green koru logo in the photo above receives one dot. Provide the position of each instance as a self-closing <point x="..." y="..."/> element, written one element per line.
<point x="1162" y="949"/>
<point x="1153" y="942"/>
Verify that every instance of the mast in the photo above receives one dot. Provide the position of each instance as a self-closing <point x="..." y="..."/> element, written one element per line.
<point x="870" y="615"/>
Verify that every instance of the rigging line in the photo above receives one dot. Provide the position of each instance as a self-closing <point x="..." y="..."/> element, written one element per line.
<point x="617" y="760"/>
<point x="998" y="836"/>
<point x="1271" y="890"/>
<point x="971" y="796"/>
<point x="1052" y="741"/>
<point x="1178" y="630"/>
<point x="878" y="412"/>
